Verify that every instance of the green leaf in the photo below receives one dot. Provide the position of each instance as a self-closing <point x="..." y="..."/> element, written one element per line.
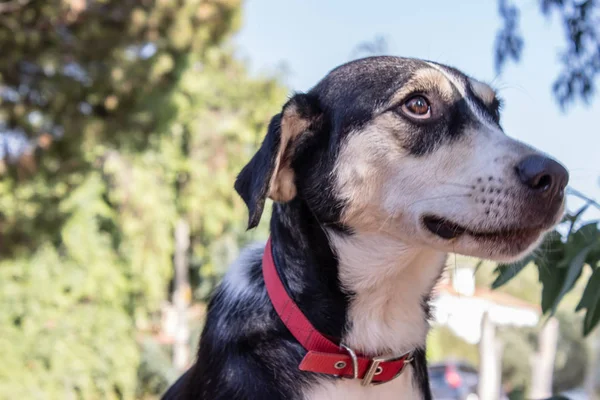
<point x="591" y="294"/>
<point x="560" y="264"/>
<point x="573" y="274"/>
<point x="590" y="300"/>
<point x="508" y="271"/>
<point x="552" y="250"/>
<point x="551" y="279"/>
<point x="592" y="316"/>
<point x="585" y="236"/>
<point x="593" y="257"/>
<point x="573" y="218"/>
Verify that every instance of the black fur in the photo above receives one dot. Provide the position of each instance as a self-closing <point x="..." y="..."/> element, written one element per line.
<point x="246" y="352"/>
<point x="252" y="183"/>
<point x="245" y="346"/>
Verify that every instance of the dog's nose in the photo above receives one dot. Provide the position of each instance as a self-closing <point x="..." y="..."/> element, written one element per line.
<point x="542" y="174"/>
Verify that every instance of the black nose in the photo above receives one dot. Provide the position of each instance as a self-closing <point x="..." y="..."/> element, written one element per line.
<point x="542" y="174"/>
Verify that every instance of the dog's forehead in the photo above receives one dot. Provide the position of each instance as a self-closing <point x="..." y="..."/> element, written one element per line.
<point x="353" y="93"/>
<point x="374" y="77"/>
<point x="363" y="85"/>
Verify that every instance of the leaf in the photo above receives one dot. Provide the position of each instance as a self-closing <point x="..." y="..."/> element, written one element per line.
<point x="593" y="257"/>
<point x="591" y="293"/>
<point x="552" y="250"/>
<point x="573" y="274"/>
<point x="590" y="300"/>
<point x="592" y="316"/>
<point x="551" y="278"/>
<point x="586" y="233"/>
<point x="573" y="218"/>
<point x="560" y="264"/>
<point x="508" y="271"/>
<point x="585" y="236"/>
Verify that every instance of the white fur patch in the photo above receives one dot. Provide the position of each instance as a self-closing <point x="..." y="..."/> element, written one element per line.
<point x="389" y="281"/>
<point x="236" y="278"/>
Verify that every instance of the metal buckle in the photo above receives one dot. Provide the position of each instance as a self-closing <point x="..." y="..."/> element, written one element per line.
<point x="372" y="371"/>
<point x="354" y="360"/>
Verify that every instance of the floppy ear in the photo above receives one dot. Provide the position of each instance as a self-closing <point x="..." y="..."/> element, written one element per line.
<point x="269" y="172"/>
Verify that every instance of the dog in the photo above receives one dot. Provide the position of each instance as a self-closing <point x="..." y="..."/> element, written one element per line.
<point x="376" y="174"/>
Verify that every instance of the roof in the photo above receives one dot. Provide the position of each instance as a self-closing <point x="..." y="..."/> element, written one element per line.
<point x="494" y="296"/>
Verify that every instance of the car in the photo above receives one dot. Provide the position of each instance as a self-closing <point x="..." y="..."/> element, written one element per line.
<point x="575" y="394"/>
<point x="453" y="380"/>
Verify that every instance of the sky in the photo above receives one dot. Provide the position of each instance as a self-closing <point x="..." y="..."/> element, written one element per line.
<point x="308" y="38"/>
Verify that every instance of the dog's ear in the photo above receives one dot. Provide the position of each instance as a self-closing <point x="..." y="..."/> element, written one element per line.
<point x="269" y="172"/>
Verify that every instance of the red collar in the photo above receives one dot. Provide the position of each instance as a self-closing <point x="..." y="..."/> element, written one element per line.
<point x="323" y="355"/>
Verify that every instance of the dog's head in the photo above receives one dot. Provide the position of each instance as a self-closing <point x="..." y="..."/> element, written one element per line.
<point x="412" y="150"/>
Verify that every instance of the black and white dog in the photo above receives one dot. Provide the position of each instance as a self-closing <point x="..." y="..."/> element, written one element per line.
<point x="376" y="173"/>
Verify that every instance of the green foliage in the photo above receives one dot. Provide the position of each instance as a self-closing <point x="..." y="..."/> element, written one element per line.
<point x="571" y="361"/>
<point x="62" y="330"/>
<point x="205" y="149"/>
<point x="580" y="55"/>
<point x="518" y="347"/>
<point x="507" y="272"/>
<point x="443" y="344"/>
<point x="561" y="262"/>
<point x="156" y="371"/>
<point x="136" y="115"/>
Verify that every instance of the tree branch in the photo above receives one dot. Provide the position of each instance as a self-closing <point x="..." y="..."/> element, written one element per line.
<point x="577" y="193"/>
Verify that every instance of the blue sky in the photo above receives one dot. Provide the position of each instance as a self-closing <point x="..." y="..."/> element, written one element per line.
<point x="310" y="37"/>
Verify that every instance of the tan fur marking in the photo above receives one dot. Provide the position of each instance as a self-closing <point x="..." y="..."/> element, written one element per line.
<point x="426" y="80"/>
<point x="483" y="91"/>
<point x="362" y="169"/>
<point x="281" y="185"/>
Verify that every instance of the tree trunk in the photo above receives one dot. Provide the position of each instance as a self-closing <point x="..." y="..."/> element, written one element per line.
<point x="490" y="361"/>
<point x="543" y="361"/>
<point x="181" y="296"/>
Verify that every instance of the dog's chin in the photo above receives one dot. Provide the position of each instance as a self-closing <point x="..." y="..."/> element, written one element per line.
<point x="503" y="244"/>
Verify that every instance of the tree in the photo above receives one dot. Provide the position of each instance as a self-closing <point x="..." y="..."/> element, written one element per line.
<point x="130" y="116"/>
<point x="580" y="56"/>
<point x="574" y="247"/>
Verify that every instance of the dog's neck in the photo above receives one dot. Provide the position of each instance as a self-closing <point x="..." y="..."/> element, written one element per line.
<point x="369" y="290"/>
<point x="392" y="283"/>
<point x="308" y="267"/>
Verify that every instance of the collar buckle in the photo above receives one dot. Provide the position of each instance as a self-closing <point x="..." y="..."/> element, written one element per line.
<point x="322" y="353"/>
<point x="354" y="358"/>
<point x="375" y="368"/>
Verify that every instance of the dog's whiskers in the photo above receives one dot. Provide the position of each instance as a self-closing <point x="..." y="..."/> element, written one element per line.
<point x="440" y="197"/>
<point x="462" y="185"/>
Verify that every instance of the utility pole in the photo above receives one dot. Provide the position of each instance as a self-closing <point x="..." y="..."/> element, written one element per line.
<point x="490" y="360"/>
<point x="542" y="368"/>
<point x="181" y="295"/>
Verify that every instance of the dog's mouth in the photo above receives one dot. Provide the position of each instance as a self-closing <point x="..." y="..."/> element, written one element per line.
<point x="448" y="230"/>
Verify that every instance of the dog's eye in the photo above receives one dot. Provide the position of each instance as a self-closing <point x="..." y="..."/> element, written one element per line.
<point x="417" y="107"/>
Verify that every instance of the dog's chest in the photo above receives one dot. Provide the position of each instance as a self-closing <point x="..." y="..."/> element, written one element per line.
<point x="399" y="389"/>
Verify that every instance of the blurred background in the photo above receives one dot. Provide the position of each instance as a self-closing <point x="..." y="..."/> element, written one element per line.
<point x="123" y="124"/>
